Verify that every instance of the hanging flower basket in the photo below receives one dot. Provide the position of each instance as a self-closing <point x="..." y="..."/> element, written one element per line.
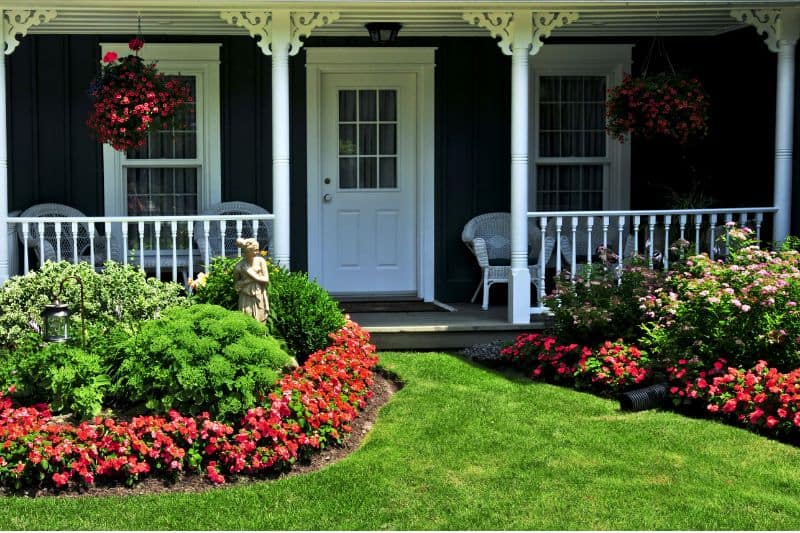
<point x="665" y="105"/>
<point x="131" y="98"/>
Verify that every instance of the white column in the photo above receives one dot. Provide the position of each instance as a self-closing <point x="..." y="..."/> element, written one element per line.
<point x="519" y="286"/>
<point x="4" y="190"/>
<point x="281" y="199"/>
<point x="784" y="125"/>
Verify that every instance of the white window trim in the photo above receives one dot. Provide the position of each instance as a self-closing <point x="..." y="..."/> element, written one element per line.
<point x="609" y="60"/>
<point x="202" y="61"/>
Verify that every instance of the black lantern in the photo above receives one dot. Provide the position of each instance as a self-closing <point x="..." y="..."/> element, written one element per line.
<point x="383" y="32"/>
<point x="56" y="317"/>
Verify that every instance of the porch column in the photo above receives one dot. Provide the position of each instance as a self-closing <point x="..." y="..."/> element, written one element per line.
<point x="279" y="33"/>
<point x="13" y="23"/>
<point x="781" y="29"/>
<point x="520" y="34"/>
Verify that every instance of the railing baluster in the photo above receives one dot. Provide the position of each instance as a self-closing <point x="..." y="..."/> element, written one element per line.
<point x="239" y="235"/>
<point x="74" y="227"/>
<point x="41" y="243"/>
<point x="728" y="219"/>
<point x="26" y="231"/>
<point x="140" y="228"/>
<point x="759" y="220"/>
<point x="90" y="229"/>
<point x="574" y="248"/>
<point x="698" y="221"/>
<point x="712" y="253"/>
<point x="206" y="228"/>
<point x="190" y="234"/>
<point x="559" y="223"/>
<point x="125" y="229"/>
<point x="742" y="219"/>
<point x="667" y="224"/>
<point x="174" y="229"/>
<point x="589" y="226"/>
<point x="683" y="227"/>
<point x="57" y="230"/>
<point x="621" y="252"/>
<point x="637" y="221"/>
<point x="223" y="227"/>
<point x="541" y="291"/>
<point x="157" y="231"/>
<point x="651" y="226"/>
<point x="107" y="228"/>
<point x="606" y="223"/>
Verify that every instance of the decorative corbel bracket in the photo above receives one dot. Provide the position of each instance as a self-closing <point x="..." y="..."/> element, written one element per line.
<point x="765" y="22"/>
<point x="505" y="25"/>
<point x="260" y="26"/>
<point x="19" y="21"/>
<point x="257" y="23"/>
<point x="303" y="23"/>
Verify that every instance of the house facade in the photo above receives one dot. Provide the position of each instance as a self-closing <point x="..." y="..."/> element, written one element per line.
<point x="372" y="157"/>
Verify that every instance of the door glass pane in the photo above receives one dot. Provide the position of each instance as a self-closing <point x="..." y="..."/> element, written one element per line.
<point x="348" y="173"/>
<point x="369" y="139"/>
<point x="347" y="139"/>
<point x="367" y="105"/>
<point x="369" y="173"/>
<point x="388" y="140"/>
<point x="388" y="106"/>
<point x="388" y="172"/>
<point x="347" y="106"/>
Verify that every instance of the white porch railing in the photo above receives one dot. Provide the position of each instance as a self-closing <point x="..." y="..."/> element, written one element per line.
<point x="578" y="234"/>
<point x="154" y="243"/>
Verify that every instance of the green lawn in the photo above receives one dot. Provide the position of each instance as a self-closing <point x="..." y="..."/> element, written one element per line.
<point x="462" y="447"/>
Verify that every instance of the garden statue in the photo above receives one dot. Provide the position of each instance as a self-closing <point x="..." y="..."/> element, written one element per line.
<point x="252" y="277"/>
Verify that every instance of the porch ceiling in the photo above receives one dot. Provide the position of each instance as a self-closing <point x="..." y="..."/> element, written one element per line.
<point x="419" y="18"/>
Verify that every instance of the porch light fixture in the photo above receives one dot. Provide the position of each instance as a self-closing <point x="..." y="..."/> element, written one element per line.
<point x="56" y="317"/>
<point x="383" y="32"/>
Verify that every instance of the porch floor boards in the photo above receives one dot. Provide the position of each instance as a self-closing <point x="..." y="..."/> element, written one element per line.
<point x="465" y="326"/>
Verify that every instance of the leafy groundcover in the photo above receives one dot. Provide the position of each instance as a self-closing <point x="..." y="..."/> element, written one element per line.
<point x="308" y="409"/>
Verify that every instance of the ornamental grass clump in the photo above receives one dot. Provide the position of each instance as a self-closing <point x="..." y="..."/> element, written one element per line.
<point x="665" y="105"/>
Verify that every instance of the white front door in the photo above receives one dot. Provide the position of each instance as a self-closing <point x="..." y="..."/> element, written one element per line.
<point x="368" y="183"/>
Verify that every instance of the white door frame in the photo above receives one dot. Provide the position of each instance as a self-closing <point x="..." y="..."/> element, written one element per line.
<point x="419" y="61"/>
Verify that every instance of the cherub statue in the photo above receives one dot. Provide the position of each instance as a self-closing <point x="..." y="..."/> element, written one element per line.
<point x="252" y="277"/>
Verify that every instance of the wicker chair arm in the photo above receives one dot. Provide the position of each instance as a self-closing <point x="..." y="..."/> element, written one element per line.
<point x="480" y="251"/>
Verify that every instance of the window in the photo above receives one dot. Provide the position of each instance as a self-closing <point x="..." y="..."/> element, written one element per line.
<point x="576" y="166"/>
<point x="177" y="172"/>
<point x="368" y="139"/>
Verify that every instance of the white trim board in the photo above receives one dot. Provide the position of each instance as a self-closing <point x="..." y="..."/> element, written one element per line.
<point x="420" y="61"/>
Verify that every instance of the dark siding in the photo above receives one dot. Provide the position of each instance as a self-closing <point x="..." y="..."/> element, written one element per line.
<point x="53" y="158"/>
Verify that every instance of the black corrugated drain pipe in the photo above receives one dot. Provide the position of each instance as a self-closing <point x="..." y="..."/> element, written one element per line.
<point x="650" y="397"/>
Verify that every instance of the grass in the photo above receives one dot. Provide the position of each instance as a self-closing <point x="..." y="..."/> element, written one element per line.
<point x="462" y="447"/>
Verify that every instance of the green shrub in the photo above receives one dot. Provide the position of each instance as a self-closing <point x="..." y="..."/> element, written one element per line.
<point x="217" y="286"/>
<point x="119" y="295"/>
<point x="302" y="312"/>
<point x="70" y="379"/>
<point x="597" y="307"/>
<point x="200" y="358"/>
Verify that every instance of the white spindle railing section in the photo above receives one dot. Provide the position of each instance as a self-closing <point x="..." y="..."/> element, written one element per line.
<point x="178" y="243"/>
<point x="578" y="234"/>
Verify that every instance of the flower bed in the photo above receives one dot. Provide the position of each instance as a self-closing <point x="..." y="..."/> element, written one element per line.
<point x="308" y="409"/>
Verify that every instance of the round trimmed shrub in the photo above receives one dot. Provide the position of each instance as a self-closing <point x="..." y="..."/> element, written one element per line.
<point x="200" y="358"/>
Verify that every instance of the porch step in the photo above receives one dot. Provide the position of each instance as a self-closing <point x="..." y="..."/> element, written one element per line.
<point x="465" y="326"/>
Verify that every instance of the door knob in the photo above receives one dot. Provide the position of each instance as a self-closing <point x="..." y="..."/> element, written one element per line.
<point x="327" y="197"/>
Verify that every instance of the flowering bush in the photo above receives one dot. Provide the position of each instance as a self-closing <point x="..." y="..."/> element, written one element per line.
<point x="664" y="105"/>
<point x="130" y="98"/>
<point x="597" y="305"/>
<point x="743" y="310"/>
<point x="614" y="367"/>
<point x="760" y="398"/>
<point x="310" y="408"/>
<point x="544" y="357"/>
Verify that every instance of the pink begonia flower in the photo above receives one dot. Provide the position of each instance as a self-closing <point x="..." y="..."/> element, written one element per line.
<point x="110" y="57"/>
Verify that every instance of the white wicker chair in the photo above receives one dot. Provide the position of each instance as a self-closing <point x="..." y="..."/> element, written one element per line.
<point x="488" y="237"/>
<point x="215" y="240"/>
<point x="52" y="243"/>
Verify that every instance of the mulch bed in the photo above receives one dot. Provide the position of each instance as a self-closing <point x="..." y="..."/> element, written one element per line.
<point x="382" y="389"/>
